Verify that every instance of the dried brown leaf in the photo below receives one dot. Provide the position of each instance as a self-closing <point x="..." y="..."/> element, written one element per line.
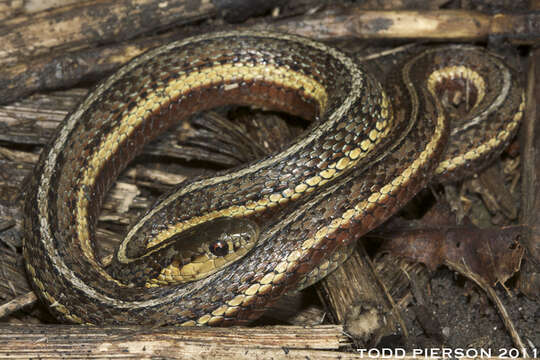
<point x="494" y="254"/>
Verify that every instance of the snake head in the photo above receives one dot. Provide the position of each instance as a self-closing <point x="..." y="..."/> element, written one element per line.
<point x="205" y="249"/>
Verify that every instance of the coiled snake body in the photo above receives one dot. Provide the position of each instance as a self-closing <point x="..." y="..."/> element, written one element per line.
<point x="369" y="150"/>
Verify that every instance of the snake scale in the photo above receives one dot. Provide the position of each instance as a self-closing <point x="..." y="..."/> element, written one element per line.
<point x="270" y="223"/>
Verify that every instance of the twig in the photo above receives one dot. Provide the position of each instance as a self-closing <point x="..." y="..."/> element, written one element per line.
<point x="463" y="269"/>
<point x="17" y="303"/>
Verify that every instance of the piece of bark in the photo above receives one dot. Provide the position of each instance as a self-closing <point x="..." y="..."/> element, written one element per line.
<point x="44" y="69"/>
<point x="437" y="25"/>
<point x="11" y="8"/>
<point x="61" y="47"/>
<point x="358" y="299"/>
<point x="530" y="201"/>
<point x="237" y="11"/>
<point x="88" y="23"/>
<point x="34" y="6"/>
<point x="56" y="49"/>
<point x="194" y="343"/>
<point x="17" y="304"/>
<point x="65" y="69"/>
<point x="106" y="21"/>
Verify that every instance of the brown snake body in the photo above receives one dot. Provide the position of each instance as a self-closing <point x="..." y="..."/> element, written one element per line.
<point x="368" y="152"/>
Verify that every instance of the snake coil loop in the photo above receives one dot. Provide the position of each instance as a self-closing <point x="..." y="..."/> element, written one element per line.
<point x="369" y="150"/>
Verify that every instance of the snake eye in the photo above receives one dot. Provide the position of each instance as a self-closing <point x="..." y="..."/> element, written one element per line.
<point x="206" y="248"/>
<point x="219" y="248"/>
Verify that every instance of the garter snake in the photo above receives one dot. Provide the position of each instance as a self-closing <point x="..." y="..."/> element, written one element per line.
<point x="368" y="151"/>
